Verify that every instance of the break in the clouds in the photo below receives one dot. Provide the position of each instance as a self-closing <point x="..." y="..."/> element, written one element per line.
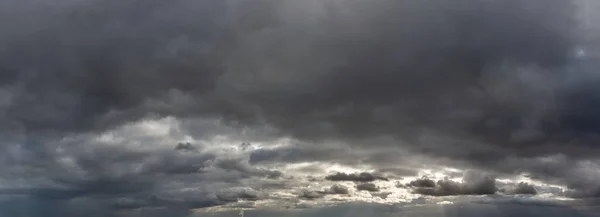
<point x="193" y="104"/>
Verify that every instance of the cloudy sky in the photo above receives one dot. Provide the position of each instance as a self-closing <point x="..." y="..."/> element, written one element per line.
<point x="131" y="108"/>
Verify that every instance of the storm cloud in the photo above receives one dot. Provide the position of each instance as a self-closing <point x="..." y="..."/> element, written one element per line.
<point x="472" y="184"/>
<point x="146" y="102"/>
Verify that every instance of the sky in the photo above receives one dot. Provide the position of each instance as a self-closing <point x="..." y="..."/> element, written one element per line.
<point x="132" y="108"/>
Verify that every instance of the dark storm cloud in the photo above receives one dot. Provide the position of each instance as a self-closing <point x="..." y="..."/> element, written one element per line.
<point x="440" y="70"/>
<point x="109" y="61"/>
<point x="478" y="82"/>
<point x="86" y="60"/>
<point x="470" y="82"/>
<point x="472" y="184"/>
<point x="586" y="191"/>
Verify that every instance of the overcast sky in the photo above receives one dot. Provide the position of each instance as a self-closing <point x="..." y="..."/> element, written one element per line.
<point x="297" y="108"/>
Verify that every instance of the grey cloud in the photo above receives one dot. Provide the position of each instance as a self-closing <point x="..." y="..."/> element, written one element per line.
<point x="422" y="183"/>
<point x="355" y="177"/>
<point x="239" y="165"/>
<point x="81" y="65"/>
<point x="186" y="147"/>
<point x="236" y="194"/>
<point x="588" y="191"/>
<point x="337" y="189"/>
<point x="469" y="82"/>
<point x="578" y="176"/>
<point x="400" y="172"/>
<point x="245" y="145"/>
<point x="367" y="187"/>
<point x="480" y="88"/>
<point x="311" y="195"/>
<point x="115" y="171"/>
<point x="225" y="71"/>
<point x="195" y="198"/>
<point x="334" y="189"/>
<point x="129" y="203"/>
<point x="301" y="153"/>
<point x="472" y="184"/>
<point x="521" y="188"/>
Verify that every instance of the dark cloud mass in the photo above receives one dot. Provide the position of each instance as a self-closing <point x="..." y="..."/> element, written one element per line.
<point x="356" y="177"/>
<point x="334" y="189"/>
<point x="397" y="86"/>
<point x="521" y="188"/>
<point x="472" y="184"/>
<point x="367" y="187"/>
<point x="422" y="183"/>
<point x="338" y="189"/>
<point x="185" y="147"/>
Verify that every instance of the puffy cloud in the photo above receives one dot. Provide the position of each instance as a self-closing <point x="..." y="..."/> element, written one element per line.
<point x="337" y="189"/>
<point x="367" y="187"/>
<point x="422" y="183"/>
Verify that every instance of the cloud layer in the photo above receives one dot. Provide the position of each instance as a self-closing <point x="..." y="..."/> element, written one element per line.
<point x="193" y="104"/>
